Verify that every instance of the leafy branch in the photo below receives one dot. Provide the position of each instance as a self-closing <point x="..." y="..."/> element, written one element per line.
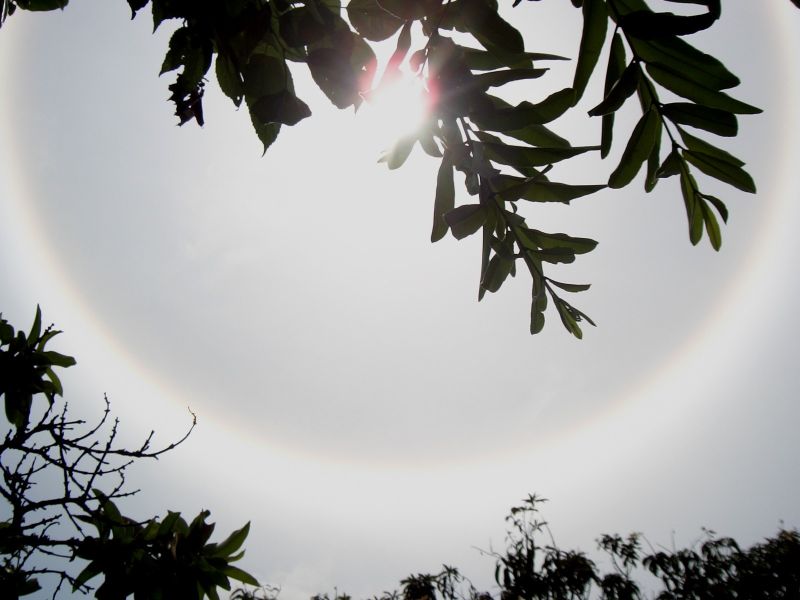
<point x="85" y="473"/>
<point x="468" y="57"/>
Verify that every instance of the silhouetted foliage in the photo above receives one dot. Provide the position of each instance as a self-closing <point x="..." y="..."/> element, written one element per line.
<point x="61" y="481"/>
<point x="529" y="569"/>
<point x="505" y="152"/>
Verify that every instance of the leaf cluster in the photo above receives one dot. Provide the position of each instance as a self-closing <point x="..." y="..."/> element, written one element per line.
<point x="61" y="478"/>
<point x="467" y="57"/>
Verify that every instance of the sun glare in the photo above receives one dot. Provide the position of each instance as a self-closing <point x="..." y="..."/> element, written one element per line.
<point x="393" y="110"/>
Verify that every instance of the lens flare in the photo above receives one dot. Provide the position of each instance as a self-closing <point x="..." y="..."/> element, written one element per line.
<point x="394" y="109"/>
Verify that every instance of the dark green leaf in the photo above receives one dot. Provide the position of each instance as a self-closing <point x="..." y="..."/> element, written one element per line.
<point x="534" y="134"/>
<point x="283" y="107"/>
<point x="671" y="165"/>
<point x="562" y="241"/>
<point x="621" y="91"/>
<point x="232" y="543"/>
<point x="240" y="575"/>
<point x="698" y="145"/>
<point x="676" y="83"/>
<point x="638" y="149"/>
<point x="540" y="190"/>
<point x="489" y="28"/>
<point x="616" y="66"/>
<point x="718" y="204"/>
<point x="527" y="156"/>
<point x="569" y="318"/>
<point x="179" y="46"/>
<point x="538" y="135"/>
<point x="702" y="117"/>
<point x="55" y="381"/>
<point x="265" y="75"/>
<point x="571" y="287"/>
<point x="712" y="226"/>
<point x="648" y="25"/>
<point x="497" y="78"/>
<point x="595" y="25"/>
<point x="267" y="132"/>
<point x="693" y="212"/>
<point x="483" y="60"/>
<point x="538" y="306"/>
<point x="36" y="328"/>
<point x="496" y="272"/>
<point x="93" y="569"/>
<point x="653" y="163"/>
<point x="681" y="57"/>
<point x="445" y="198"/>
<point x="371" y="20"/>
<point x="724" y="171"/>
<point x="57" y="359"/>
<point x="229" y="79"/>
<point x="466" y="220"/>
<point x="524" y="114"/>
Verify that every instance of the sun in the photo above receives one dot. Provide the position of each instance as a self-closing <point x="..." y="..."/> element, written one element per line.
<point x="394" y="109"/>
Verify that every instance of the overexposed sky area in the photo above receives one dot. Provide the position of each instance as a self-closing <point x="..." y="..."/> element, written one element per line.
<point x="355" y="401"/>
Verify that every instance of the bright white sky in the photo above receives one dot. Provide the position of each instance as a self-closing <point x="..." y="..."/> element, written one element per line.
<point x="355" y="401"/>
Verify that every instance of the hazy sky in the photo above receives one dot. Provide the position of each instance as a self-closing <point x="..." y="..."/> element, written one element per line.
<point x="354" y="399"/>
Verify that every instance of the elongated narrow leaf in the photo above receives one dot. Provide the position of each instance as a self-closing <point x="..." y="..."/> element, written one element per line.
<point x="466" y="220"/>
<point x="676" y="83"/>
<point x="694" y="214"/>
<point x="614" y="70"/>
<point x="595" y="25"/>
<point x="718" y="204"/>
<point x="483" y="60"/>
<point x="498" y="78"/>
<point x="699" y="145"/>
<point x="712" y="226"/>
<point x="240" y="575"/>
<point x="671" y="165"/>
<point x="648" y="25"/>
<point x="59" y="360"/>
<point x="528" y="156"/>
<point x="538" y="306"/>
<point x="554" y="256"/>
<point x="496" y="272"/>
<point x="570" y="287"/>
<point x="539" y="135"/>
<point x="724" y="171"/>
<point x="679" y="56"/>
<point x="536" y="190"/>
<point x="622" y="90"/>
<point x="636" y="152"/>
<point x="93" y="569"/>
<point x="535" y="239"/>
<point x="524" y="114"/>
<point x="445" y="198"/>
<point x="702" y="117"/>
<point x="490" y="29"/>
<point x="36" y="328"/>
<point x="534" y="134"/>
<point x="233" y="542"/>
<point x="653" y="163"/>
